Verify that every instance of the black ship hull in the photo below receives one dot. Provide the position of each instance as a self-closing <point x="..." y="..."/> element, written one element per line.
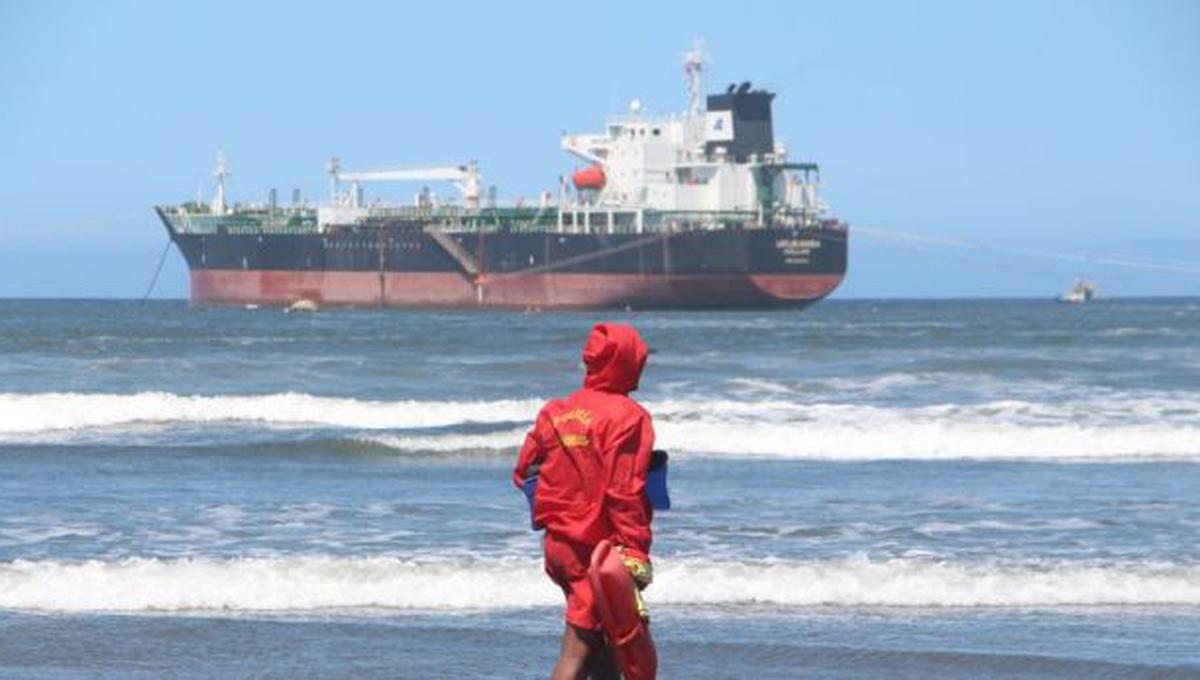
<point x="418" y="267"/>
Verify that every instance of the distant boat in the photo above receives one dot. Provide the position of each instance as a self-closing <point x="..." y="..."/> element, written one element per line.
<point x="1082" y="291"/>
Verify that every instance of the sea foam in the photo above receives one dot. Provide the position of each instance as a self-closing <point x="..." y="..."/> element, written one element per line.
<point x="30" y="413"/>
<point x="310" y="582"/>
<point x="1161" y="426"/>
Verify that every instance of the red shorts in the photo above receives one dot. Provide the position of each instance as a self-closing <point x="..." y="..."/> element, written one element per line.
<point x="567" y="565"/>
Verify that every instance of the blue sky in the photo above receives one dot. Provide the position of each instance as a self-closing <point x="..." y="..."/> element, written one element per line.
<point x="984" y="149"/>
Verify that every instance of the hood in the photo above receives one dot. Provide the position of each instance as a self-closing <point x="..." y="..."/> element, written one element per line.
<point x="614" y="356"/>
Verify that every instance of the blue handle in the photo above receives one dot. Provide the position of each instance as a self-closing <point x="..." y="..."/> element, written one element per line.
<point x="530" y="489"/>
<point x="656" y="482"/>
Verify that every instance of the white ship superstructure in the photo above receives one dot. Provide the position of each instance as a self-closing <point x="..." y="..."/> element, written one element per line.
<point x="718" y="155"/>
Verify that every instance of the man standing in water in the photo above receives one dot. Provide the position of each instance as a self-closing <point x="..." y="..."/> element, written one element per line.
<point x="589" y="454"/>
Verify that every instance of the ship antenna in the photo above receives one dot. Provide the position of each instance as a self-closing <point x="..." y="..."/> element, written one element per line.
<point x="693" y="77"/>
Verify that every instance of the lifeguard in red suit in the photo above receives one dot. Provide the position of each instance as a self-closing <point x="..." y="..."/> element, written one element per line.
<point x="584" y="465"/>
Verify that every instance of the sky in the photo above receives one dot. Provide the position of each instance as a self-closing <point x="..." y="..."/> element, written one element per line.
<point x="975" y="148"/>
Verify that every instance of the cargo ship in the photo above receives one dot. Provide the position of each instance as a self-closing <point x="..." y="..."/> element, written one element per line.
<point x="701" y="209"/>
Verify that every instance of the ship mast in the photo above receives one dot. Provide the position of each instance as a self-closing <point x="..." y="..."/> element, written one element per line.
<point x="693" y="80"/>
<point x="219" y="204"/>
<point x="693" y="77"/>
<point x="334" y="167"/>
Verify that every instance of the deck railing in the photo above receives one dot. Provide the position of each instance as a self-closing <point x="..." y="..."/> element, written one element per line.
<point x="574" y="220"/>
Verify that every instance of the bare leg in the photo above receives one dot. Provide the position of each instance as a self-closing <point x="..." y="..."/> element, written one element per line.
<point x="584" y="655"/>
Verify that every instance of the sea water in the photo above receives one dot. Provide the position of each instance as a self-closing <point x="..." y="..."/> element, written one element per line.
<point x="862" y="489"/>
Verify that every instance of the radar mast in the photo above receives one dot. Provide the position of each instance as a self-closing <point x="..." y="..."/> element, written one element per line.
<point x="693" y="77"/>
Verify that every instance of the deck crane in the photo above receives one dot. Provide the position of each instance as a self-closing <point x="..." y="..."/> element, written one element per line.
<point x="465" y="177"/>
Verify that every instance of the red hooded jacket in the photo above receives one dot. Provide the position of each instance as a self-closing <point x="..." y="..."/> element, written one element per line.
<point x="594" y="449"/>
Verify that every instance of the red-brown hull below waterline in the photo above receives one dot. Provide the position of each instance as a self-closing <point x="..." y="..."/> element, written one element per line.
<point x="519" y="291"/>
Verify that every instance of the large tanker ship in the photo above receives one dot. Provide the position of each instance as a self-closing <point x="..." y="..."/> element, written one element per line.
<point x="695" y="210"/>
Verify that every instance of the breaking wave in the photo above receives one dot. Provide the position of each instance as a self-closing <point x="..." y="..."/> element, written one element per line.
<point x="897" y="439"/>
<point x="449" y="443"/>
<point x="1162" y="426"/>
<point x="1008" y="430"/>
<point x="851" y="443"/>
<point x="325" y="582"/>
<point x="31" y="413"/>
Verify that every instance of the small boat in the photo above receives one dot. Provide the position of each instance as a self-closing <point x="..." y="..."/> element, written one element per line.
<point x="302" y="305"/>
<point x="1082" y="291"/>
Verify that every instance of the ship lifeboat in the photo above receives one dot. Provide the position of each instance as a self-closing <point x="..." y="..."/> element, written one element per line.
<point x="591" y="177"/>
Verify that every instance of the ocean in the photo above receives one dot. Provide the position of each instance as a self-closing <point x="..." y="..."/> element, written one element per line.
<point x="950" y="489"/>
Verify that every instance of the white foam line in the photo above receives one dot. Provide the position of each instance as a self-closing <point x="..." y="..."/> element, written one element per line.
<point x="324" y="582"/>
<point x="36" y="412"/>
<point x="493" y="441"/>
<point x="31" y="413"/>
<point x="1162" y="426"/>
<point x="895" y="440"/>
<point x="899" y="440"/>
